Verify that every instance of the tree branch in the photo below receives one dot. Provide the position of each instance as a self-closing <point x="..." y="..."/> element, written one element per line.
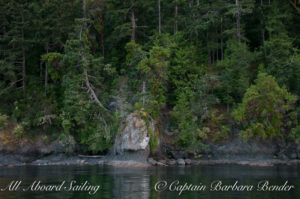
<point x="294" y="4"/>
<point x="91" y="91"/>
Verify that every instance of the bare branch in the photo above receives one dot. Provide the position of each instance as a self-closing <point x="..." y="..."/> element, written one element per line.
<point x="91" y="91"/>
<point x="294" y="4"/>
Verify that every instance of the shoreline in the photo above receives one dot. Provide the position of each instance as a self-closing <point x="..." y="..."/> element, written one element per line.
<point x="64" y="160"/>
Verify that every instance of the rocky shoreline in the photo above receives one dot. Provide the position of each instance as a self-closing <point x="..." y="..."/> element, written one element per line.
<point x="131" y="148"/>
<point x="10" y="160"/>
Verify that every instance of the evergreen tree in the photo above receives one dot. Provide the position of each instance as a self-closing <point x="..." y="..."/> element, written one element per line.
<point x="235" y="72"/>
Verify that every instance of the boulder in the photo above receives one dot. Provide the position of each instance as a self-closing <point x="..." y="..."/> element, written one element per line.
<point x="133" y="138"/>
<point x="194" y="162"/>
<point x="178" y="154"/>
<point x="171" y="162"/>
<point x="188" y="161"/>
<point x="163" y="161"/>
<point x="180" y="162"/>
<point x="152" y="161"/>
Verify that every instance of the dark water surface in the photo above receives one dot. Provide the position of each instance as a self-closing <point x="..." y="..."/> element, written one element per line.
<point x="139" y="183"/>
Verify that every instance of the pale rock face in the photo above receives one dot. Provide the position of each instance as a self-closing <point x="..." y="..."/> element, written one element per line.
<point x="133" y="135"/>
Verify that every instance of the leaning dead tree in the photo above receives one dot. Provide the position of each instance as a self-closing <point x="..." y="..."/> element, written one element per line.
<point x="91" y="91"/>
<point x="85" y="63"/>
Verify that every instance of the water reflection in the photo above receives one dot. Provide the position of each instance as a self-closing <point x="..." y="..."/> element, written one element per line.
<point x="129" y="186"/>
<point x="138" y="183"/>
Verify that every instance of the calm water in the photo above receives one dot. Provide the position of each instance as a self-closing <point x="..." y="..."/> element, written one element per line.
<point x="138" y="183"/>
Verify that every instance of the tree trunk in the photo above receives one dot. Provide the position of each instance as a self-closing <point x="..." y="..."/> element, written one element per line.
<point x="159" y="18"/>
<point x="23" y="56"/>
<point x="99" y="16"/>
<point x="213" y="56"/>
<point x="238" y="20"/>
<point x="262" y="27"/>
<point x="91" y="90"/>
<point x="222" y="49"/>
<point x="3" y="22"/>
<point x="46" y="70"/>
<point x="144" y="91"/>
<point x="176" y="21"/>
<point x="208" y="50"/>
<point x="84" y="17"/>
<point x="217" y="40"/>
<point x="84" y="8"/>
<point x="41" y="68"/>
<point x="85" y="64"/>
<point x="102" y="36"/>
<point x="133" y="24"/>
<point x="196" y="31"/>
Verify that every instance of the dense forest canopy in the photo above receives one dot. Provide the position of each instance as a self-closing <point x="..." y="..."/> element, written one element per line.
<point x="200" y="68"/>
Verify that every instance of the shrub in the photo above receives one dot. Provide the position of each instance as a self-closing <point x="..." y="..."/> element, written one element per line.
<point x="263" y="108"/>
<point x="18" y="130"/>
<point x="3" y="121"/>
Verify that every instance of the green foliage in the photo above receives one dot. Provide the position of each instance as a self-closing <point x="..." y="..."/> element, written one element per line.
<point x="80" y="113"/>
<point x="184" y="118"/>
<point x="153" y="69"/>
<point x="79" y="76"/>
<point x="67" y="141"/>
<point x="295" y="134"/>
<point x="101" y="137"/>
<point x="263" y="109"/>
<point x="52" y="61"/>
<point x="185" y="68"/>
<point x="235" y="71"/>
<point x="218" y="128"/>
<point x="153" y="143"/>
<point x="3" y="121"/>
<point x="280" y="53"/>
<point x="18" y="130"/>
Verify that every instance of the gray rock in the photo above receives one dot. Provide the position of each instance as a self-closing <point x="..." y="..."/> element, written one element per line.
<point x="237" y="147"/>
<point x="163" y="161"/>
<point x="152" y="161"/>
<point x="171" y="162"/>
<point x="194" y="162"/>
<point x="298" y="147"/>
<point x="126" y="164"/>
<point x="188" y="161"/>
<point x="1" y="146"/>
<point x="133" y="135"/>
<point x="282" y="156"/>
<point x="293" y="156"/>
<point x="66" y="144"/>
<point x="180" y="162"/>
<point x="41" y="146"/>
<point x="178" y="154"/>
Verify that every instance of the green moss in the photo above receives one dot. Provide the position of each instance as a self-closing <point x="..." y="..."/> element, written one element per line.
<point x="153" y="143"/>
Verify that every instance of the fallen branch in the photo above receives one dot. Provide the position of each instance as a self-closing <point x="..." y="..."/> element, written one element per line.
<point x="161" y="164"/>
<point x="91" y="156"/>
